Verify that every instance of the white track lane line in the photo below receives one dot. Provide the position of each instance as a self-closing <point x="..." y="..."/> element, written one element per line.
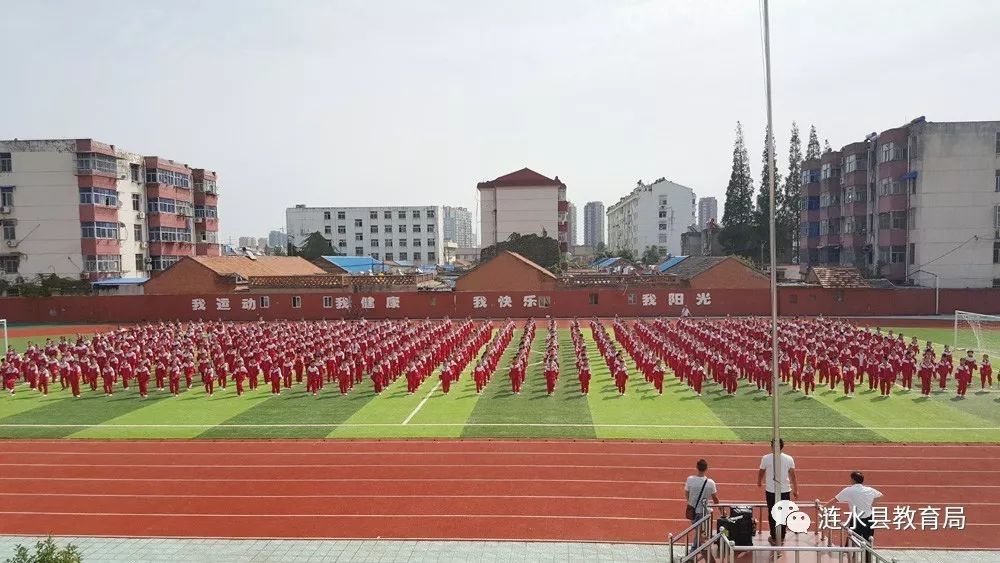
<point x="421" y="405"/>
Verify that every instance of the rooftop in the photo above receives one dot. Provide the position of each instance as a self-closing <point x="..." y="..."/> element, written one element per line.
<point x="258" y="266"/>
<point x="522" y="178"/>
<point x="687" y="267"/>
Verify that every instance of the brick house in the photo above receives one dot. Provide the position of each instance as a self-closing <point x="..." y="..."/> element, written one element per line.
<point x="507" y="271"/>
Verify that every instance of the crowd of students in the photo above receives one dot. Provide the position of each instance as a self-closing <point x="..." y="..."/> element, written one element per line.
<point x="730" y="352"/>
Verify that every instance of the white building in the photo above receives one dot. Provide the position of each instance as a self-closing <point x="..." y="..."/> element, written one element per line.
<point x="523" y="202"/>
<point x="593" y="224"/>
<point x="651" y="215"/>
<point x="84" y="209"/>
<point x="399" y="234"/>
<point x="708" y="210"/>
<point x="457" y="225"/>
<point x="571" y="223"/>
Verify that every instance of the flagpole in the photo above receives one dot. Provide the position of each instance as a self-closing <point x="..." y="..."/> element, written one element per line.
<point x="769" y="150"/>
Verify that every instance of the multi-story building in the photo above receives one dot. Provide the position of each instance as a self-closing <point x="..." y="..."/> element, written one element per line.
<point x="457" y="225"/>
<point x="593" y="224"/>
<point x="708" y="210"/>
<point x="651" y="215"/>
<point x="914" y="204"/>
<point x="571" y="223"/>
<point x="81" y="208"/>
<point x="248" y="242"/>
<point x="397" y="234"/>
<point x="523" y="202"/>
<point x="277" y="239"/>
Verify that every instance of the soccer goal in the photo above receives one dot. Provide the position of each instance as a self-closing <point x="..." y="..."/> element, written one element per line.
<point x="3" y="326"/>
<point x="978" y="332"/>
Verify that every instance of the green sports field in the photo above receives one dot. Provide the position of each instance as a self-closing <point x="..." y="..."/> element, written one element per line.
<point x="678" y="414"/>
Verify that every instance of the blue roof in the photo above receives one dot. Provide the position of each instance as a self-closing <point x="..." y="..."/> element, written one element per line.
<point x="356" y="264"/>
<point x="604" y="263"/>
<point x="671" y="263"/>
<point x="121" y="281"/>
<point x="404" y="263"/>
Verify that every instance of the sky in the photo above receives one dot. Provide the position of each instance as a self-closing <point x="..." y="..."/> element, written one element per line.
<point x="379" y="102"/>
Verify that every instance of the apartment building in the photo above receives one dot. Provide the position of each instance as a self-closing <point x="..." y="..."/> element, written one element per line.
<point x="571" y="224"/>
<point x="593" y="224"/>
<point x="655" y="214"/>
<point x="915" y="204"/>
<point x="397" y="234"/>
<point x="457" y="225"/>
<point x="82" y="208"/>
<point x="523" y="202"/>
<point x="708" y="210"/>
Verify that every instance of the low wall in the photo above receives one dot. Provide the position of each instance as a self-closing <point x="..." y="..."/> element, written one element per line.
<point x="561" y="303"/>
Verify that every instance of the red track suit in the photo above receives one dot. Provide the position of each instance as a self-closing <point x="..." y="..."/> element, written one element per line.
<point x="479" y="375"/>
<point x="730" y="380"/>
<point x="909" y="367"/>
<point x="43" y="381"/>
<point x="108" y="377"/>
<point x="161" y="373"/>
<point x="126" y="372"/>
<point x="75" y="375"/>
<point x="926" y="375"/>
<point x="584" y="377"/>
<point x="241" y="376"/>
<point x="943" y="369"/>
<point x="833" y="373"/>
<point x="696" y="378"/>
<point x="986" y="373"/>
<point x="551" y="374"/>
<point x="377" y="377"/>
<point x="657" y="378"/>
<point x="850" y="377"/>
<point x="275" y="380"/>
<point x="208" y="380"/>
<point x="445" y="377"/>
<point x="313" y="379"/>
<point x="253" y="374"/>
<point x="142" y="378"/>
<point x="344" y="377"/>
<point x="886" y="377"/>
<point x="175" y="380"/>
<point x="963" y="376"/>
<point x="10" y="377"/>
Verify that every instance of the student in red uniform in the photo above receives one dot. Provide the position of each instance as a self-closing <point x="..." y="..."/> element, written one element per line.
<point x="208" y="380"/>
<point x="108" y="377"/>
<point x="963" y="376"/>
<point x="142" y="378"/>
<point x="240" y="374"/>
<point x="175" y="378"/>
<point x="886" y="377"/>
<point x="926" y="374"/>
<point x="986" y="372"/>
<point x="479" y="375"/>
<point x="446" y="377"/>
<point x="345" y="377"/>
<point x="850" y="377"/>
<point x="943" y="369"/>
<point x="909" y="368"/>
<point x="657" y="377"/>
<point x="809" y="378"/>
<point x="551" y="374"/>
<point x="276" y="379"/>
<point x="42" y="384"/>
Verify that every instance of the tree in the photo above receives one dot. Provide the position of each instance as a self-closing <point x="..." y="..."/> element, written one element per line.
<point x="788" y="216"/>
<point x="278" y="251"/>
<point x="46" y="552"/>
<point x="738" y="217"/>
<point x="541" y="250"/>
<point x="653" y="255"/>
<point x="812" y="149"/>
<point x="313" y="247"/>
<point x="763" y="211"/>
<point x="826" y="145"/>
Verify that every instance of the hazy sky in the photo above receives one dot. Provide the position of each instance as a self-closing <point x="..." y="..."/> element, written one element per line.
<point x="413" y="102"/>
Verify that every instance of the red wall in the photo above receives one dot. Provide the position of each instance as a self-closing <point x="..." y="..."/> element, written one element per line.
<point x="562" y="303"/>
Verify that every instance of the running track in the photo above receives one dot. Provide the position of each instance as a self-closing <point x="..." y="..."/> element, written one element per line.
<point x="526" y="490"/>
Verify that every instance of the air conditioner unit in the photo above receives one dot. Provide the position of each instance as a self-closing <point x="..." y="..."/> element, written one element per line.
<point x="122" y="177"/>
<point x="6" y="210"/>
<point x="140" y="215"/>
<point x="12" y="243"/>
<point x="199" y="219"/>
<point x="120" y="203"/>
<point x="84" y="275"/>
<point x="142" y="244"/>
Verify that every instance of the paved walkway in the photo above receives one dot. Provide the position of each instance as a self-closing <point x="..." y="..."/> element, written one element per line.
<point x="161" y="550"/>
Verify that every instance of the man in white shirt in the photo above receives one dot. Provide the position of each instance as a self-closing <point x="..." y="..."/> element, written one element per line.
<point x="789" y="487"/>
<point x="698" y="489"/>
<point x="859" y="498"/>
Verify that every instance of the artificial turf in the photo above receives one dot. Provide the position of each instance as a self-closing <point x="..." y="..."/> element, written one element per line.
<point x="677" y="414"/>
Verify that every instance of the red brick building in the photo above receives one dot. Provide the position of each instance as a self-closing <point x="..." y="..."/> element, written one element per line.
<point x="507" y="271"/>
<point x="229" y="274"/>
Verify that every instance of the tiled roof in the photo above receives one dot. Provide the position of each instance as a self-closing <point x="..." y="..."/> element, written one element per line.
<point x="688" y="267"/>
<point x="836" y="277"/>
<point x="259" y="266"/>
<point x="521" y="178"/>
<point x="542" y="270"/>
<point x="324" y="280"/>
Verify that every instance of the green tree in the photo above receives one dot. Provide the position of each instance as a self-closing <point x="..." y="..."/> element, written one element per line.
<point x="278" y="251"/>
<point x="314" y="246"/>
<point x="653" y="255"/>
<point x="788" y="216"/>
<point x="738" y="235"/>
<point x="46" y="552"/>
<point x="812" y="148"/>
<point x="541" y="250"/>
<point x="762" y="213"/>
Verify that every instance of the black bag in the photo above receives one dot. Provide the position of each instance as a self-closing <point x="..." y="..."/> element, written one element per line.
<point x="689" y="513"/>
<point x="739" y="525"/>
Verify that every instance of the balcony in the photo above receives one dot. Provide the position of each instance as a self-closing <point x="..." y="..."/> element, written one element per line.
<point x="160" y="248"/>
<point x="854" y="209"/>
<point x="891" y="237"/>
<point x="891" y="203"/>
<point x="563" y="206"/>
<point x="852" y="240"/>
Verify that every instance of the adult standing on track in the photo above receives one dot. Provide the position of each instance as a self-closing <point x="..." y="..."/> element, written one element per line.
<point x="697" y="490"/>
<point x="788" y="483"/>
<point x="859" y="499"/>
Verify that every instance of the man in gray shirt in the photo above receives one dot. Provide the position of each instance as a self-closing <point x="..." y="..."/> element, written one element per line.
<point x="698" y="489"/>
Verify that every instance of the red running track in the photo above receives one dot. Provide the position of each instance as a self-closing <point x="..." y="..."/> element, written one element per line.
<point x="469" y="489"/>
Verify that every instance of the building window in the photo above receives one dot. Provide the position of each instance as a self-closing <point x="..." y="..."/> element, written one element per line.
<point x="136" y="171"/>
<point x="358" y="224"/>
<point x="996" y="281"/>
<point x="416" y="213"/>
<point x="158" y="263"/>
<point x="388" y="242"/>
<point x="359" y="236"/>
<point x="913" y="253"/>
<point x="416" y="242"/>
<point x="93" y="162"/>
<point x="166" y="177"/>
<point x="663" y="214"/>
<point x="374" y="229"/>
<point x="416" y="228"/>
<point x="99" y="229"/>
<point x="326" y="215"/>
<point x="892" y="152"/>
<point x="402" y="242"/>
<point x="161" y="205"/>
<point x="431" y="242"/>
<point x="387" y="215"/>
<point x="342" y="243"/>
<point x="374" y="242"/>
<point x="431" y="257"/>
<point x="996" y="252"/>
<point x="401" y="215"/>
<point x="430" y="214"/>
<point x="9" y="264"/>
<point x="662" y="238"/>
<point x="98" y="196"/>
<point x="375" y="255"/>
<point x="6" y="163"/>
<point x="373" y="215"/>
<point x="416" y="256"/>
<point x="631" y="299"/>
<point x="359" y="251"/>
<point x="430" y="228"/>
<point x="169" y="234"/>
<point x="341" y="215"/>
<point x="328" y="302"/>
<point x="136" y="202"/>
<point x="896" y="254"/>
<point x="387" y="229"/>
<point x="296" y="302"/>
<point x="388" y="255"/>
<point x="341" y="230"/>
<point x="7" y="194"/>
<point x="327" y="230"/>
<point x="263" y="302"/>
<point x="137" y="232"/>
<point x="8" y="155"/>
<point x="402" y="256"/>
<point x="401" y="229"/>
<point x="140" y="262"/>
<point x="996" y="182"/>
<point x="898" y="220"/>
<point x="103" y="263"/>
<point x="206" y="211"/>
<point x="593" y="298"/>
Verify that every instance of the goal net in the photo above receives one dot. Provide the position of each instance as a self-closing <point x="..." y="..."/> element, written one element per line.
<point x="978" y="332"/>
<point x="3" y="327"/>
